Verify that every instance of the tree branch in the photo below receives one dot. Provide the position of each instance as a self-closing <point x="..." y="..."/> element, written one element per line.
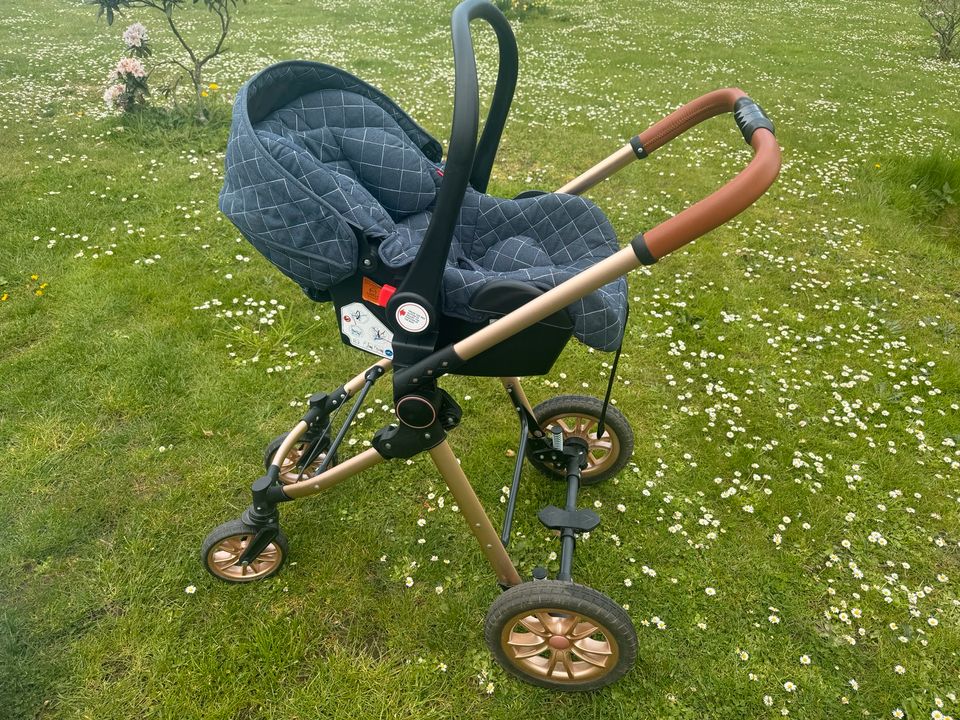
<point x="176" y="33"/>
<point x="223" y="12"/>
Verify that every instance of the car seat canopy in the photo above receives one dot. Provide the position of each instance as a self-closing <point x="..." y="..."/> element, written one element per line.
<point x="317" y="159"/>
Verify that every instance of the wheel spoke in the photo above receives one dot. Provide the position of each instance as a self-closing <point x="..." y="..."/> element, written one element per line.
<point x="525" y="639"/>
<point x="566" y="625"/>
<point x="593" y="647"/>
<point x="234" y="544"/>
<point x="596" y="659"/>
<point x="584" y="630"/>
<point x="552" y="662"/>
<point x="530" y="623"/>
<point x="549" y="623"/>
<point x="530" y="652"/>
<point x="222" y="563"/>
<point x="568" y="663"/>
<point x="565" y="426"/>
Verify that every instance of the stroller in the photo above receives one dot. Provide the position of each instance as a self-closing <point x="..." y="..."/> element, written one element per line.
<point x="349" y="197"/>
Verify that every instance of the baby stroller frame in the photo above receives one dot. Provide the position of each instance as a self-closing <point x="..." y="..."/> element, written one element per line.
<point x="552" y="633"/>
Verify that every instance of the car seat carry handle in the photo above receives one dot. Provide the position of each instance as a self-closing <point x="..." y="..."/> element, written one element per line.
<point x="507" y="70"/>
<point x="466" y="163"/>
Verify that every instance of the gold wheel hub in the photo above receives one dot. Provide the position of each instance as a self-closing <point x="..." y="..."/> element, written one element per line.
<point x="224" y="559"/>
<point x="559" y="646"/>
<point x="602" y="452"/>
<point x="289" y="472"/>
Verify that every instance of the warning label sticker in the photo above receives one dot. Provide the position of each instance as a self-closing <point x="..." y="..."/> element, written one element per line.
<point x="365" y="331"/>
<point x="413" y="317"/>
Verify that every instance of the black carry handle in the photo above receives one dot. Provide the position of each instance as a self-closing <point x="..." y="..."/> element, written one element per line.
<point x="466" y="163"/>
<point x="503" y="90"/>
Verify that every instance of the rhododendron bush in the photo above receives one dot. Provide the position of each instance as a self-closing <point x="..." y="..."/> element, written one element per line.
<point x="193" y="60"/>
<point x="127" y="89"/>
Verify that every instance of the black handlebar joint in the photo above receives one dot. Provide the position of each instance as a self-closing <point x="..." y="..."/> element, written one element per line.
<point x="639" y="245"/>
<point x="750" y="117"/>
<point x="638" y="149"/>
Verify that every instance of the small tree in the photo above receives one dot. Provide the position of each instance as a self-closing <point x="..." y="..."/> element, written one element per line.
<point x="196" y="60"/>
<point x="944" y="17"/>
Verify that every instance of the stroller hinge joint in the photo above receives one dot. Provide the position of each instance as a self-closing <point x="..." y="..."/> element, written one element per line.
<point x="425" y="418"/>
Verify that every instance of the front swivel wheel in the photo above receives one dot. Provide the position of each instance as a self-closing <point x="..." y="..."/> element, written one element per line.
<point x="223" y="547"/>
<point x="560" y="635"/>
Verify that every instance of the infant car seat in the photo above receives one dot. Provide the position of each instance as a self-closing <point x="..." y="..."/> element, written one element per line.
<point x="338" y="187"/>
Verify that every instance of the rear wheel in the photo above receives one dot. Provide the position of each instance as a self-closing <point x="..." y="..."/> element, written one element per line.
<point x="560" y="635"/>
<point x="289" y="469"/>
<point x="579" y="416"/>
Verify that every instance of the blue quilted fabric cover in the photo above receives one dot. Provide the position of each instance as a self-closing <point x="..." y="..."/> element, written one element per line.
<point x="317" y="156"/>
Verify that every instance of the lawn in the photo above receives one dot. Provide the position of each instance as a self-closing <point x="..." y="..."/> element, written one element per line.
<point x="793" y="380"/>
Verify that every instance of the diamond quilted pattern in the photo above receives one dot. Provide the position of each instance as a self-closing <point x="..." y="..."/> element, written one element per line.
<point x="315" y="153"/>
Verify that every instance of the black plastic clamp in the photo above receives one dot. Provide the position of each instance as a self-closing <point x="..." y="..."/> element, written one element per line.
<point x="639" y="245"/>
<point x="750" y="117"/>
<point x="322" y="404"/>
<point x="423" y="373"/>
<point x="403" y="441"/>
<point x="638" y="149"/>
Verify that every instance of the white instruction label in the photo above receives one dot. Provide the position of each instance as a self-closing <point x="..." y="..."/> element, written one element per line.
<point x="365" y="331"/>
<point x="412" y="317"/>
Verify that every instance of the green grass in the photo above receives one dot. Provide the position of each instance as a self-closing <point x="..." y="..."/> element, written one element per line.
<point x="792" y="379"/>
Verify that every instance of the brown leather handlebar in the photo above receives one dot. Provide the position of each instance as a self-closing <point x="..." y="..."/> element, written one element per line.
<point x="685" y="117"/>
<point x="731" y="199"/>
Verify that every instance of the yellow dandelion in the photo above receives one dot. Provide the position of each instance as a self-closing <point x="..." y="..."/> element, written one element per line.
<point x="43" y="285"/>
<point x="204" y="94"/>
<point x="213" y="86"/>
<point x="877" y="166"/>
<point x="38" y="293"/>
<point x="4" y="297"/>
<point x="34" y="277"/>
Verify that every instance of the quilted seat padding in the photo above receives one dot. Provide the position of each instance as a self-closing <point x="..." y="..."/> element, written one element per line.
<point x="316" y="155"/>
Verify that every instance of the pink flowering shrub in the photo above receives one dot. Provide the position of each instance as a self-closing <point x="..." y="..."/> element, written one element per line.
<point x="127" y="90"/>
<point x="135" y="38"/>
<point x="193" y="58"/>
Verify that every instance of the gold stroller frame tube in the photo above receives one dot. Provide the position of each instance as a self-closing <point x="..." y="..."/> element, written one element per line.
<point x="474" y="514"/>
<point x="705" y="215"/>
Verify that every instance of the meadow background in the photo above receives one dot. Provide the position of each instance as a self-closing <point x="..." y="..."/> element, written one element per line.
<point x="793" y="381"/>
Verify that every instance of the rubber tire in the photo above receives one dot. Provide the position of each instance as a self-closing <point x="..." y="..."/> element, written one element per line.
<point x="567" y="596"/>
<point x="239" y="527"/>
<point x="615" y="423"/>
<point x="274" y="445"/>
